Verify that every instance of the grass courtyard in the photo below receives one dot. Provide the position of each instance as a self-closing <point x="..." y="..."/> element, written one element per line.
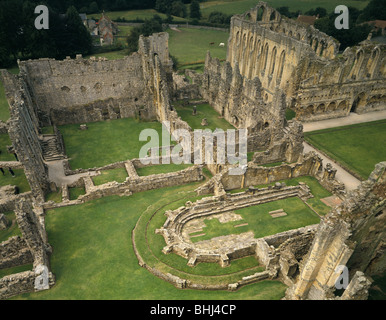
<point x="357" y="147"/>
<point x="105" y="142"/>
<point x="93" y="256"/>
<point x="260" y="222"/>
<point x="203" y="111"/>
<point x="191" y="45"/>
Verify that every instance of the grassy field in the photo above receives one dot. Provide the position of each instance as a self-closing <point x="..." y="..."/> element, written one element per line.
<point x="260" y="222"/>
<point x="93" y="256"/>
<point x="241" y="6"/>
<point x="357" y="147"/>
<point x="12" y="230"/>
<point x="4" y="142"/>
<point x="191" y="45"/>
<point x="317" y="191"/>
<point x="105" y="142"/>
<point x="118" y="175"/>
<point x="162" y="168"/>
<point x="134" y="14"/>
<point x="19" y="180"/>
<point x="203" y="111"/>
<point x="4" y="109"/>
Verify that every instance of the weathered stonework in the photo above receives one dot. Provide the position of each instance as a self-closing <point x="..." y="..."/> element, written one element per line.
<point x="351" y="235"/>
<point x="303" y="62"/>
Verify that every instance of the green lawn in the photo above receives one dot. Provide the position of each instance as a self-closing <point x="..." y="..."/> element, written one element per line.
<point x="161" y="168"/>
<point x="4" y="142"/>
<point x="317" y="191"/>
<point x="260" y="222"/>
<point x="9" y="271"/>
<point x="54" y="196"/>
<point x="4" y="109"/>
<point x="118" y="175"/>
<point x="105" y="142"/>
<point x="237" y="7"/>
<point x="135" y="14"/>
<point x="357" y="147"/>
<point x="19" y="180"/>
<point x="111" y="55"/>
<point x="75" y="192"/>
<point x="191" y="45"/>
<point x="203" y="111"/>
<point x="93" y="256"/>
<point x="13" y="228"/>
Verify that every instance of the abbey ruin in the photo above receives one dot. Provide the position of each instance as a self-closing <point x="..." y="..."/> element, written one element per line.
<point x="273" y="63"/>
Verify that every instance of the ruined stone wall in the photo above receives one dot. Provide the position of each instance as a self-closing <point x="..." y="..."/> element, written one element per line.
<point x="351" y="235"/>
<point x="311" y="165"/>
<point x="303" y="62"/>
<point x="354" y="82"/>
<point x="24" y="133"/>
<point x="269" y="46"/>
<point x="86" y="90"/>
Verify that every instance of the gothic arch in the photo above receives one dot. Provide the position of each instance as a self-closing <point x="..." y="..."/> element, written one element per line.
<point x="273" y="61"/>
<point x="281" y="66"/>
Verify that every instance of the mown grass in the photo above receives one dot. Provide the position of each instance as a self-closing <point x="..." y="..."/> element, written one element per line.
<point x="260" y="221"/>
<point x="134" y="15"/>
<point x="237" y="7"/>
<point x="93" y="256"/>
<point x="9" y="271"/>
<point x="4" y="142"/>
<point x="19" y="180"/>
<point x="76" y="192"/>
<point x="357" y="147"/>
<point x="55" y="196"/>
<point x="191" y="45"/>
<point x="4" y="109"/>
<point x="118" y="175"/>
<point x="105" y="142"/>
<point x="12" y="228"/>
<point x="318" y="191"/>
<point x="203" y="111"/>
<point x="161" y="168"/>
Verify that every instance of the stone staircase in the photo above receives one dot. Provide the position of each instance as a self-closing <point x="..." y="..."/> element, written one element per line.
<point x="50" y="147"/>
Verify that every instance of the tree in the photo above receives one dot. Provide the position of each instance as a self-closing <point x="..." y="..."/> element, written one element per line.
<point x="195" y="11"/>
<point x="75" y="34"/>
<point x="149" y="27"/>
<point x="178" y="9"/>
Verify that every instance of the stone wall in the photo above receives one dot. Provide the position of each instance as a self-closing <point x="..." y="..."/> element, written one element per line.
<point x="87" y="90"/>
<point x="303" y="62"/>
<point x="351" y="235"/>
<point x="32" y="247"/>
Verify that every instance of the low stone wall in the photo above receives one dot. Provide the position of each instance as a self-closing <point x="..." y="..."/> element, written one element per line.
<point x="14" y="252"/>
<point x="15" y="284"/>
<point x="232" y="247"/>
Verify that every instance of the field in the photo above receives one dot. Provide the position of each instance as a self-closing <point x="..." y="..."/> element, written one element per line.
<point x="19" y="180"/>
<point x="191" y="45"/>
<point x="105" y="142"/>
<point x="134" y="15"/>
<point x="237" y="7"/>
<point x="4" y="110"/>
<point x="203" y="111"/>
<point x="357" y="147"/>
<point x="260" y="222"/>
<point x="93" y="256"/>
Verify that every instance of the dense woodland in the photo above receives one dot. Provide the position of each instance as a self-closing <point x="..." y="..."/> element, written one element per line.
<point x="19" y="39"/>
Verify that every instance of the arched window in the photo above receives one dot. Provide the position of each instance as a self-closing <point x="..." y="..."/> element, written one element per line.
<point x="281" y="66"/>
<point x="265" y="57"/>
<point x="273" y="61"/>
